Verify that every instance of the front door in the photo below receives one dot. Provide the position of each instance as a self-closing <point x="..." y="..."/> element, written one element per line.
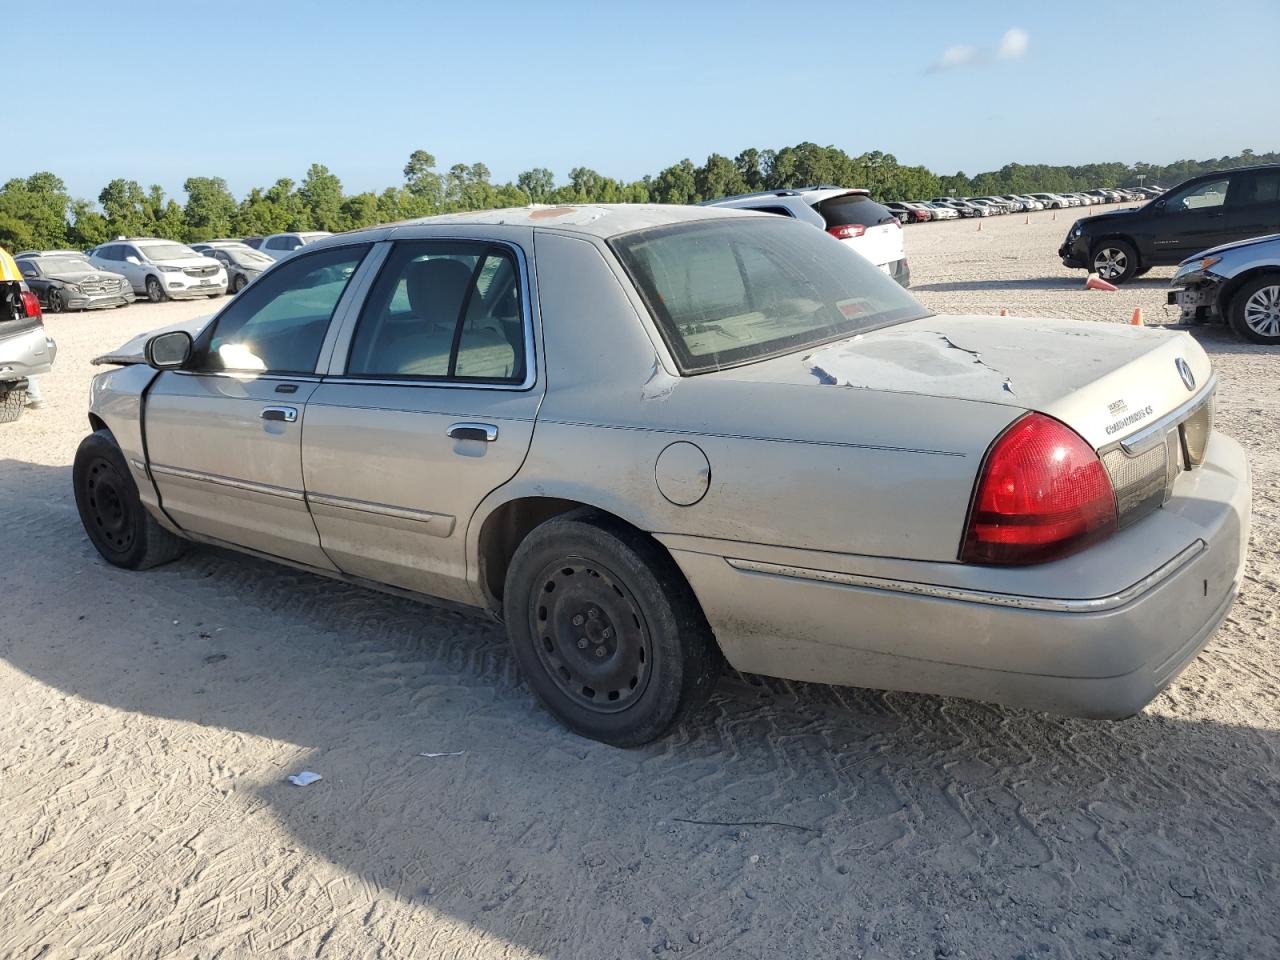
<point x="1191" y="220"/>
<point x="224" y="435"/>
<point x="429" y="407"/>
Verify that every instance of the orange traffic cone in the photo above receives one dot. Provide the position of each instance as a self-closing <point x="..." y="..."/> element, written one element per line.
<point x="1004" y="312"/>
<point x="1137" y="317"/>
<point x="1094" y="282"/>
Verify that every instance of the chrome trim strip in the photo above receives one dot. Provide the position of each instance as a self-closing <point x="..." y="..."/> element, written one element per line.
<point x="249" y="486"/>
<point x="442" y="520"/>
<point x="742" y="436"/>
<point x="964" y="595"/>
<point x="1153" y="434"/>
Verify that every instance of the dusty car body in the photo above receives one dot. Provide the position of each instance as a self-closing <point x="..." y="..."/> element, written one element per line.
<point x="25" y="350"/>
<point x="634" y="480"/>
<point x="1238" y="283"/>
<point x="67" y="282"/>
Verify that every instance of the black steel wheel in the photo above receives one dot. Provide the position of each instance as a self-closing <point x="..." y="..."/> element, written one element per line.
<point x="606" y="630"/>
<point x="590" y="635"/>
<point x="117" y="523"/>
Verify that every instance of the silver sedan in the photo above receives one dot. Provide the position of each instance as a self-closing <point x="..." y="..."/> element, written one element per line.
<point x="655" y="439"/>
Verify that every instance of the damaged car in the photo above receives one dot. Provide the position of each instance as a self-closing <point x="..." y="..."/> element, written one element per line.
<point x="700" y="436"/>
<point x="26" y="351"/>
<point x="65" y="281"/>
<point x="1237" y="284"/>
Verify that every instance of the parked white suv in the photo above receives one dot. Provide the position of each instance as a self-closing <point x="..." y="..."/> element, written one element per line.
<point x="279" y="245"/>
<point x="161" y="269"/>
<point x="848" y="215"/>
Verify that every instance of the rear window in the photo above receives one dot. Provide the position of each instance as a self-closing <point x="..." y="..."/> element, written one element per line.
<point x="728" y="292"/>
<point x="853" y="210"/>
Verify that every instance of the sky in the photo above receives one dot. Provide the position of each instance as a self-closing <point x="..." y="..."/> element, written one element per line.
<point x="255" y="91"/>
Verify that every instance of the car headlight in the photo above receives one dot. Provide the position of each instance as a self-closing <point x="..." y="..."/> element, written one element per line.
<point x="1077" y="228"/>
<point x="165" y="269"/>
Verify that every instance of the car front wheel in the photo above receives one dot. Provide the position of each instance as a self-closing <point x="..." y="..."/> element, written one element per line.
<point x="155" y="292"/>
<point x="111" y="511"/>
<point x="1254" y="312"/>
<point x="606" y="630"/>
<point x="1115" y="261"/>
<point x="56" y="303"/>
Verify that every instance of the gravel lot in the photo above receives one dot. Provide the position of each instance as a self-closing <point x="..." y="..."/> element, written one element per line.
<point x="147" y="723"/>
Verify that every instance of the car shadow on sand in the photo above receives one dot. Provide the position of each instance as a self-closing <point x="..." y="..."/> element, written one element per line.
<point x="785" y="819"/>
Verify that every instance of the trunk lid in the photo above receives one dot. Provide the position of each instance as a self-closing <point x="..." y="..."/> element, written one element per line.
<point x="1106" y="381"/>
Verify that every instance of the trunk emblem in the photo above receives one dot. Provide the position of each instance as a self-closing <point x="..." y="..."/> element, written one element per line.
<point x="1184" y="371"/>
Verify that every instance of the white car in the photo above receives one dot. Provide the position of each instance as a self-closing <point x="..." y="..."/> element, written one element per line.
<point x="942" y="211"/>
<point x="849" y="215"/>
<point x="277" y="246"/>
<point x="1052" y="201"/>
<point x="161" y="269"/>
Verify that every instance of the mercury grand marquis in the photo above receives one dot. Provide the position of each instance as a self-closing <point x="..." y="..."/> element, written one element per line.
<point x="653" y="440"/>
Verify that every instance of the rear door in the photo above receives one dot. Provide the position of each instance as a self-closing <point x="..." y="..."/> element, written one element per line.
<point x="1253" y="204"/>
<point x="429" y="405"/>
<point x="224" y="436"/>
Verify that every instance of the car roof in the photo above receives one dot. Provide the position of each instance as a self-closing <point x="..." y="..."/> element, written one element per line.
<point x="602" y="220"/>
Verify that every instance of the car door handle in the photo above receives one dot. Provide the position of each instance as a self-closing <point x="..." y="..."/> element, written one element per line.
<point x="280" y="414"/>
<point x="473" y="431"/>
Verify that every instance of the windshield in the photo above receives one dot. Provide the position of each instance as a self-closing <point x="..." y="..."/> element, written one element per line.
<point x="728" y="292"/>
<point x="247" y="257"/>
<point x="168" y="251"/>
<point x="55" y="265"/>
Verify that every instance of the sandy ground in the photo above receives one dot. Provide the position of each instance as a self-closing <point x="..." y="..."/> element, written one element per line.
<point x="147" y="723"/>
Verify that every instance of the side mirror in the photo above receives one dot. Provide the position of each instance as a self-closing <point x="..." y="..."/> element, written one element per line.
<point x="1158" y="206"/>
<point x="168" y="351"/>
<point x="134" y="260"/>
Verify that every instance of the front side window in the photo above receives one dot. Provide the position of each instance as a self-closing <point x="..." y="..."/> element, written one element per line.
<point x="725" y="293"/>
<point x="443" y="310"/>
<point x="1200" y="196"/>
<point x="278" y="324"/>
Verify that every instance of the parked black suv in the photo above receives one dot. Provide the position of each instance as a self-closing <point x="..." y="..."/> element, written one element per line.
<point x="1211" y="209"/>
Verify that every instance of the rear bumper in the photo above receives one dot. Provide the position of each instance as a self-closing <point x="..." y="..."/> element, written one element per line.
<point x="1103" y="653"/>
<point x="28" y="354"/>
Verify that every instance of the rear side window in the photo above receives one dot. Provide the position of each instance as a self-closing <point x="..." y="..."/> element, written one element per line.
<point x="1256" y="189"/>
<point x="443" y="310"/>
<point x="853" y="210"/>
<point x="724" y="293"/>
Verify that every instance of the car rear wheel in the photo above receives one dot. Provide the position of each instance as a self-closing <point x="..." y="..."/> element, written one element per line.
<point x="113" y="516"/>
<point x="1115" y="261"/>
<point x="12" y="403"/>
<point x="1254" y="313"/>
<point x="155" y="292"/>
<point x="606" y="630"/>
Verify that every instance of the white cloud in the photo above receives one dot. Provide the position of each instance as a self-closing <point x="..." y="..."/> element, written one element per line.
<point x="1013" y="46"/>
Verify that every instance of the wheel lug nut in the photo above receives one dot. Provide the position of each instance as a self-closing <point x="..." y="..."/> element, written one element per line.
<point x="577" y="621"/>
<point x="599" y="651"/>
<point x="593" y="613"/>
<point x="582" y="643"/>
<point x="607" y="633"/>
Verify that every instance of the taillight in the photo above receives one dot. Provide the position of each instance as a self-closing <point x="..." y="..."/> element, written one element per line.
<point x="1042" y="494"/>
<point x="848" y="231"/>
<point x="31" y="304"/>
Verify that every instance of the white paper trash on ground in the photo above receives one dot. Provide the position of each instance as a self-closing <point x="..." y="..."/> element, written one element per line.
<point x="432" y="756"/>
<point x="304" y="778"/>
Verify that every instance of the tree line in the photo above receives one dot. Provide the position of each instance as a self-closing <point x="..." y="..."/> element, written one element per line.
<point x="38" y="212"/>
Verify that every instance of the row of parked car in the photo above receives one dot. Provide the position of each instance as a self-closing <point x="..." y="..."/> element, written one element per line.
<point x="116" y="273"/>
<point x="950" y="208"/>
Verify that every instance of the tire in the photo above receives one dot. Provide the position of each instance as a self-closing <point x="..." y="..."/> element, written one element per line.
<point x="606" y="630"/>
<point x="238" y="283"/>
<point x="117" y="523"/>
<point x="1141" y="270"/>
<point x="155" y="292"/>
<point x="56" y="303"/>
<point x="1254" y="312"/>
<point x="12" y="404"/>
<point x="1115" y="261"/>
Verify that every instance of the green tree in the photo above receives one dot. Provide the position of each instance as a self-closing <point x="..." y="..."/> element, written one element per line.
<point x="719" y="177"/>
<point x="210" y="207"/>
<point x="538" y="183"/>
<point x="468" y="187"/>
<point x="676" y="184"/>
<point x="422" y="181"/>
<point x="124" y="205"/>
<point x="321" y="195"/>
<point x="39" y="202"/>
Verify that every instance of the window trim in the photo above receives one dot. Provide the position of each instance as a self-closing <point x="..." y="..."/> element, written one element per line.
<point x="201" y="345"/>
<point x="342" y="350"/>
